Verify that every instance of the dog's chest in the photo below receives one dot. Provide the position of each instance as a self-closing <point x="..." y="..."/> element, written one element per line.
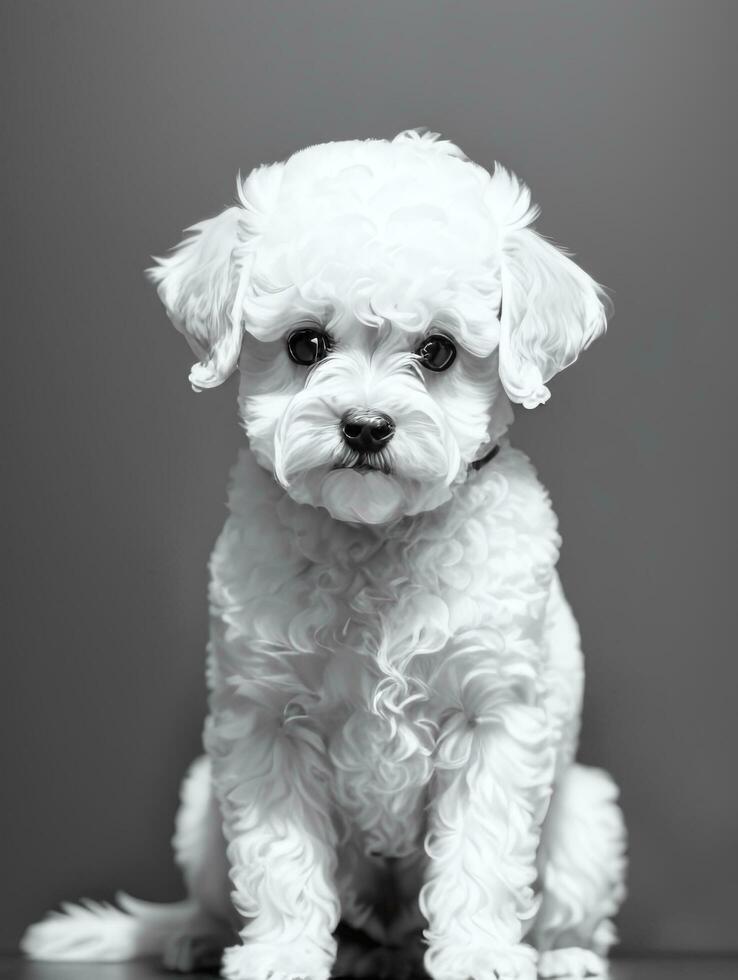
<point x="353" y="625"/>
<point x="385" y="619"/>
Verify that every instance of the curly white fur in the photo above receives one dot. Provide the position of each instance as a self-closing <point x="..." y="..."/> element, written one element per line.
<point x="395" y="676"/>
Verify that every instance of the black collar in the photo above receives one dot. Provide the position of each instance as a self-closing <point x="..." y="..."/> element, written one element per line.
<point x="479" y="463"/>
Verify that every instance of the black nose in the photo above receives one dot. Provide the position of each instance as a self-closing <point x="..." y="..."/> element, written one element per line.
<point x="367" y="432"/>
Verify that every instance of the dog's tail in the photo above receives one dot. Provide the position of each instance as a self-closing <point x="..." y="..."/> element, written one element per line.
<point x="100" y="932"/>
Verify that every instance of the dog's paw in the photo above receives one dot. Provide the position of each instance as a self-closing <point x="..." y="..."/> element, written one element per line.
<point x="572" y="963"/>
<point x="516" y="963"/>
<point x="262" y="961"/>
<point x="487" y="963"/>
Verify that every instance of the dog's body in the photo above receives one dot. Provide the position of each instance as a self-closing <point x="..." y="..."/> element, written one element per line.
<point x="395" y="676"/>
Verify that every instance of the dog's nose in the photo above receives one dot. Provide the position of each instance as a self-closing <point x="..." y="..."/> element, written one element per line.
<point x="367" y="432"/>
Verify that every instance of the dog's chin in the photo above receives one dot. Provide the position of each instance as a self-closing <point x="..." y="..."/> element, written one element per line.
<point x="362" y="496"/>
<point x="367" y="496"/>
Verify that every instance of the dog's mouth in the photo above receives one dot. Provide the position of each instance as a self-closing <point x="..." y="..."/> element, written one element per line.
<point x="364" y="463"/>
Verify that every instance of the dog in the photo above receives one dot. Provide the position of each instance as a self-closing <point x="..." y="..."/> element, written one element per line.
<point x="395" y="676"/>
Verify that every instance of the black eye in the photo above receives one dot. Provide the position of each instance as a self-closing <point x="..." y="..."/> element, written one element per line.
<point x="308" y="345"/>
<point x="437" y="352"/>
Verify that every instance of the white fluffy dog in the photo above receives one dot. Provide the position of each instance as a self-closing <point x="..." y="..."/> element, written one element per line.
<point x="395" y="675"/>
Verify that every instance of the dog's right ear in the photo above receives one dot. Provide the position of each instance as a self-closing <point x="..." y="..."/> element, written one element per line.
<point x="202" y="281"/>
<point x="197" y="283"/>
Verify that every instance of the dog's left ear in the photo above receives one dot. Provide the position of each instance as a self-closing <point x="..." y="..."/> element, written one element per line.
<point x="551" y="309"/>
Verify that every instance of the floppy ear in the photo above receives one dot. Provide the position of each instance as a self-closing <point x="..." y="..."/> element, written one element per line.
<point x="551" y="309"/>
<point x="197" y="284"/>
<point x="202" y="283"/>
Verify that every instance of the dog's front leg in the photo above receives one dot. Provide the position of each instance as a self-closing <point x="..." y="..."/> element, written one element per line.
<point x="271" y="775"/>
<point x="493" y="782"/>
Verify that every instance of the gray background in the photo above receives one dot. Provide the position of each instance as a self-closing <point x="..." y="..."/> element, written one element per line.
<point x="123" y="123"/>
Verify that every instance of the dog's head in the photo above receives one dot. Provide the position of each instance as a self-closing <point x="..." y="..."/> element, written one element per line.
<point x="385" y="301"/>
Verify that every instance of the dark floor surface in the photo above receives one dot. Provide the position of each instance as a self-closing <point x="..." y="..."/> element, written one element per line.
<point x="661" y="968"/>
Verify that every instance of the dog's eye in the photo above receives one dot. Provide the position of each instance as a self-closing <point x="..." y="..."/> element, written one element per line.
<point x="308" y="345"/>
<point x="437" y="352"/>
